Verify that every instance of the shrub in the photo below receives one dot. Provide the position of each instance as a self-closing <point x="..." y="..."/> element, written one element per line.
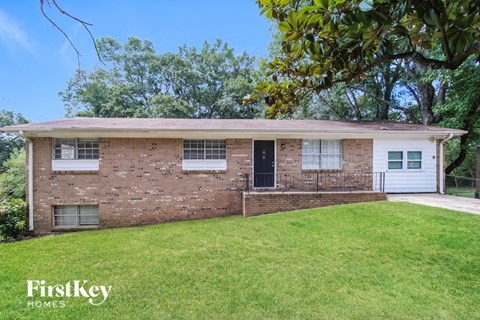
<point x="12" y="218"/>
<point x="12" y="181"/>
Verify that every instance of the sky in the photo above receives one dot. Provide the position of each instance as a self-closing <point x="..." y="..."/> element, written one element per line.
<point x="37" y="61"/>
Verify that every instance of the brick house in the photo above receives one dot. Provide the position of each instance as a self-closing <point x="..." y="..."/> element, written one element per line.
<point x="97" y="172"/>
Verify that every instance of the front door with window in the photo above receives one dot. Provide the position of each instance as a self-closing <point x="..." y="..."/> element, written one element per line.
<point x="264" y="164"/>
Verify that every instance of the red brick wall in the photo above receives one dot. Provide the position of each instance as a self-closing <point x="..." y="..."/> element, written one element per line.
<point x="356" y="161"/>
<point x="357" y="156"/>
<point x="140" y="181"/>
<point x="257" y="203"/>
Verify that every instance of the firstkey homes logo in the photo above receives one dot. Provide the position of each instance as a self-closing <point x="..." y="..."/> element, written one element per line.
<point x="39" y="291"/>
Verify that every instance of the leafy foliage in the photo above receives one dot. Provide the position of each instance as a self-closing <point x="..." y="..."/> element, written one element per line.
<point x="325" y="42"/>
<point x="9" y="142"/>
<point x="12" y="181"/>
<point x="206" y="83"/>
<point x="12" y="218"/>
<point x="462" y="109"/>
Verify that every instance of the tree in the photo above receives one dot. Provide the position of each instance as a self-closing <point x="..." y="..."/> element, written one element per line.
<point x="9" y="142"/>
<point x="462" y="108"/>
<point x="376" y="97"/>
<point x="12" y="181"/>
<point x="138" y="82"/>
<point x="330" y="41"/>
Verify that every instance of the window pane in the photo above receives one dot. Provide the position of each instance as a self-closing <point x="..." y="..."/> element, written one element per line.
<point x="65" y="149"/>
<point x="71" y="149"/>
<point x="88" y="215"/>
<point x="414" y="155"/>
<point x="395" y="155"/>
<point x="72" y="216"/>
<point x="395" y="165"/>
<point x="65" y="215"/>
<point x="322" y="154"/>
<point x="310" y="161"/>
<point x="311" y="146"/>
<point x="87" y="149"/>
<point x="414" y="165"/>
<point x="204" y="149"/>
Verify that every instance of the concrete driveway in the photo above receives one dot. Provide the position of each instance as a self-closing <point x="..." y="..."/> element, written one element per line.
<point x="439" y="200"/>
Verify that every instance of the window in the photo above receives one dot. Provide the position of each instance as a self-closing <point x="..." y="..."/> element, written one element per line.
<point x="204" y="149"/>
<point x="75" y="216"/>
<point x="414" y="159"/>
<point x="204" y="155"/>
<point x="76" y="149"/>
<point x="322" y="154"/>
<point x="395" y="159"/>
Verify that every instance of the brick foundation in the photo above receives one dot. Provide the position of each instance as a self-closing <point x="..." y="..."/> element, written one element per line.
<point x="257" y="203"/>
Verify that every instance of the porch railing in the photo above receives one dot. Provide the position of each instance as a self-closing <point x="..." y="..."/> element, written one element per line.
<point x="315" y="181"/>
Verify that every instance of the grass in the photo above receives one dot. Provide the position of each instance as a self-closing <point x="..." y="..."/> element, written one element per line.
<point x="363" y="261"/>
<point x="461" y="191"/>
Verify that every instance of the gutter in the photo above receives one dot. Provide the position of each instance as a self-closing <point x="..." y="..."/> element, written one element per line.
<point x="30" y="180"/>
<point x="442" y="165"/>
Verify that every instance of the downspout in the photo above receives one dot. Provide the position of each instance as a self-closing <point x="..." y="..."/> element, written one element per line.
<point x="442" y="166"/>
<point x="30" y="181"/>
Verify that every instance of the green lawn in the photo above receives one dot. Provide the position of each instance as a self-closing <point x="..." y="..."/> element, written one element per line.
<point x="462" y="192"/>
<point x="363" y="261"/>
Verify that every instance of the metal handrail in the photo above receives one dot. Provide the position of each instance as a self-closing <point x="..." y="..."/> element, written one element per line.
<point x="315" y="181"/>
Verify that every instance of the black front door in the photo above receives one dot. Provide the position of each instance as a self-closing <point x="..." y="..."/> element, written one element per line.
<point x="264" y="163"/>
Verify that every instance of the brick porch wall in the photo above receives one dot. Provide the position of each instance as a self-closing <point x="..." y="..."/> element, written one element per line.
<point x="257" y="203"/>
<point x="357" y="160"/>
<point x="140" y="181"/>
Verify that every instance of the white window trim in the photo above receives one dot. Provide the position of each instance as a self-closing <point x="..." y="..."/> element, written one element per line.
<point x="204" y="164"/>
<point x="405" y="161"/>
<point x="324" y="153"/>
<point x="396" y="160"/>
<point x="74" y="164"/>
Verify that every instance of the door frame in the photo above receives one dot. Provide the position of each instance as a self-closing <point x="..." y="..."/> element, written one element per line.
<point x="274" y="160"/>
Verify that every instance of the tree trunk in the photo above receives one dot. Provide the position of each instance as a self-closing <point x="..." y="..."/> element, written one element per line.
<point x="426" y="94"/>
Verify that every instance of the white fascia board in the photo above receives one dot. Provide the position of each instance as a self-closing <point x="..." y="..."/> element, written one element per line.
<point x="233" y="134"/>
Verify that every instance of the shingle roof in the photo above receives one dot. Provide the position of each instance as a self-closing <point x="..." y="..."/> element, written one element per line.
<point x="227" y="125"/>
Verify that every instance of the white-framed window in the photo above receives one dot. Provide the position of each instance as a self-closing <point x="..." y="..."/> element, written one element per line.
<point x="414" y="160"/>
<point x="204" y="149"/>
<point x="75" y="215"/>
<point x="321" y="154"/>
<point x="395" y="160"/>
<point x="75" y="149"/>
<point x="204" y="155"/>
<point x="399" y="160"/>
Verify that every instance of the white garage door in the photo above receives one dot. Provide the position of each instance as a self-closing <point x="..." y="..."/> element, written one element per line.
<point x="409" y="165"/>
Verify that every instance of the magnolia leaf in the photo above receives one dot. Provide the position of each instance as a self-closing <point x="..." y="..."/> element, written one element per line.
<point x="284" y="26"/>
<point x="366" y="5"/>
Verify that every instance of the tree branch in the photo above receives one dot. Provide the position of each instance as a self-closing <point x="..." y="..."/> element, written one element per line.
<point x="82" y="22"/>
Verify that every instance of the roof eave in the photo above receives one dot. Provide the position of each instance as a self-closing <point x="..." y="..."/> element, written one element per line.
<point x="138" y="132"/>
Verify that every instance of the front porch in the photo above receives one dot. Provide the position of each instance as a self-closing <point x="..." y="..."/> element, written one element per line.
<point x="269" y="193"/>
